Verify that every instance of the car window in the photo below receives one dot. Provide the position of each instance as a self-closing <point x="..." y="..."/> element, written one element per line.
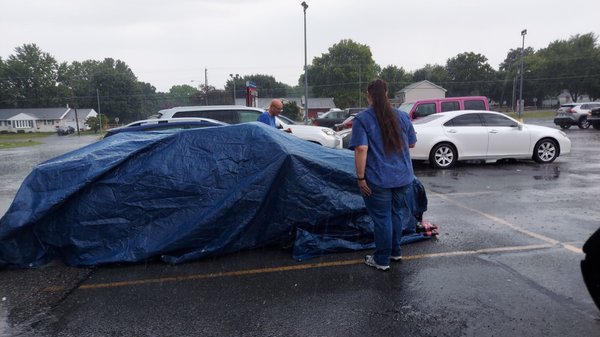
<point x="227" y="116"/>
<point x="248" y="116"/>
<point x="465" y="120"/>
<point x="424" y="110"/>
<point x="450" y="106"/>
<point x="183" y="114"/>
<point x="498" y="120"/>
<point x="474" y="105"/>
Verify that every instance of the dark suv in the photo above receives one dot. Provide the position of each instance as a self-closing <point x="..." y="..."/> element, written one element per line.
<point x="594" y="118"/>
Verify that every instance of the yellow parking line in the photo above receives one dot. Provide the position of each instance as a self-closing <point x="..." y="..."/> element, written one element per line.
<point x="549" y="242"/>
<point x="290" y="268"/>
<point x="546" y="239"/>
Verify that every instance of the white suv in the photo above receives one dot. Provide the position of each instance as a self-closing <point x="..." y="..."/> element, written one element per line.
<point x="574" y="114"/>
<point x="235" y="114"/>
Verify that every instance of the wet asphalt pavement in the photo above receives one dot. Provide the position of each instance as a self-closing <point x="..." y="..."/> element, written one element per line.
<point x="506" y="263"/>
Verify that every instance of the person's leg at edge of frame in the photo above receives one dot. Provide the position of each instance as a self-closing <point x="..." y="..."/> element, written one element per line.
<point x="399" y="207"/>
<point x="379" y="206"/>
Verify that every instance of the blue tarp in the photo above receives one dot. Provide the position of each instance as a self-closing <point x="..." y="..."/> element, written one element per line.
<point x="186" y="195"/>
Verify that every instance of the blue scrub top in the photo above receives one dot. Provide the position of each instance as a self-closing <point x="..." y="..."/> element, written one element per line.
<point x="387" y="171"/>
<point x="267" y="119"/>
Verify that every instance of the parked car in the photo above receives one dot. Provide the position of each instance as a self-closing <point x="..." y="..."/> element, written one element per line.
<point x="235" y="114"/>
<point x="346" y="124"/>
<point x="447" y="137"/>
<point x="574" y="114"/>
<point x="594" y="118"/>
<point x="65" y="130"/>
<point x="425" y="107"/>
<point x="231" y="114"/>
<point x="330" y="118"/>
<point x="165" y="124"/>
<point x="345" y="135"/>
<point x="316" y="134"/>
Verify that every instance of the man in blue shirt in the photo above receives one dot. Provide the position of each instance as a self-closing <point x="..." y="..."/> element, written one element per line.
<point x="268" y="117"/>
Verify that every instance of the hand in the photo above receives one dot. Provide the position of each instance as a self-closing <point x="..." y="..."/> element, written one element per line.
<point x="364" y="188"/>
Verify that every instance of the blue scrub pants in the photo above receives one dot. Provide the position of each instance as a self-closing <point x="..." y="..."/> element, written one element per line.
<point x="386" y="207"/>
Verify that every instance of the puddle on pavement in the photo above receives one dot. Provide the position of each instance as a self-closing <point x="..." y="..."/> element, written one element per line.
<point x="16" y="164"/>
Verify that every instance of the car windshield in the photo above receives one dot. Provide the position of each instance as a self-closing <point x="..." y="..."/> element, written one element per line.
<point x="406" y="107"/>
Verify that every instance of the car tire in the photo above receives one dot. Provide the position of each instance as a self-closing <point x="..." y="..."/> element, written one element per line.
<point x="545" y="151"/>
<point x="583" y="123"/>
<point x="565" y="126"/>
<point x="443" y="156"/>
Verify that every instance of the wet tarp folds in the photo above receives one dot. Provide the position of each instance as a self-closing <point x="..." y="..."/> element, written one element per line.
<point x="187" y="195"/>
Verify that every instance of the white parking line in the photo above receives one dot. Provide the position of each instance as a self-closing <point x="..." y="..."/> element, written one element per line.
<point x="546" y="239"/>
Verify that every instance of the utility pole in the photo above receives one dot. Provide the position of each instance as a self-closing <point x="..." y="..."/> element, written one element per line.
<point x="305" y="6"/>
<point x="520" y="113"/>
<point x="99" y="114"/>
<point x="206" y="84"/>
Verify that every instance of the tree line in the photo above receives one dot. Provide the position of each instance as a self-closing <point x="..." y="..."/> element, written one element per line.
<point x="32" y="78"/>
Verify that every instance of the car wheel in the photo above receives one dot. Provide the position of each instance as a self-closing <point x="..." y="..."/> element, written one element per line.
<point x="545" y="151"/>
<point x="443" y="156"/>
<point x="565" y="126"/>
<point x="583" y="123"/>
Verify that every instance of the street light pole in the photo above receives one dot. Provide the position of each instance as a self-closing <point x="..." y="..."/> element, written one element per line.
<point x="305" y="6"/>
<point x="520" y="114"/>
<point x="99" y="114"/>
<point x="233" y="79"/>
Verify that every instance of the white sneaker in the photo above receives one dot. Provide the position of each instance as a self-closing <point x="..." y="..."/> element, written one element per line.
<point x="369" y="261"/>
<point x="396" y="258"/>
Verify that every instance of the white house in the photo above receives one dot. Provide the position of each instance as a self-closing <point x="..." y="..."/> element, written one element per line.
<point x="43" y="119"/>
<point x="417" y="91"/>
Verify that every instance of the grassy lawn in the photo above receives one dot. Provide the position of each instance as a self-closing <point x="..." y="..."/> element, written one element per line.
<point x="12" y="140"/>
<point x="534" y="114"/>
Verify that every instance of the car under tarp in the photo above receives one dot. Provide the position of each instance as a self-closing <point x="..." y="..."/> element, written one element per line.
<point x="190" y="194"/>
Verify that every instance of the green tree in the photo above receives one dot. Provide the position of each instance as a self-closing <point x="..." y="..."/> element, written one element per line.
<point x="343" y="73"/>
<point x="92" y="122"/>
<point x="396" y="79"/>
<point x="266" y="85"/>
<point x="181" y="95"/>
<point x="469" y="74"/>
<point x="111" y="82"/>
<point x="572" y="64"/>
<point x="505" y="87"/>
<point x="29" y="79"/>
<point x="435" y="73"/>
<point x="291" y="110"/>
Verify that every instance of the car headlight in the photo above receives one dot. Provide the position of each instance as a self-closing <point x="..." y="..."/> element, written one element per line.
<point x="328" y="131"/>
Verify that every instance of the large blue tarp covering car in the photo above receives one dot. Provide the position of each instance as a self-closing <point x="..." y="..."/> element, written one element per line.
<point x="189" y="194"/>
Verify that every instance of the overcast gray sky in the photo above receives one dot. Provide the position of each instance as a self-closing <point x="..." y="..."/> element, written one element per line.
<point x="168" y="43"/>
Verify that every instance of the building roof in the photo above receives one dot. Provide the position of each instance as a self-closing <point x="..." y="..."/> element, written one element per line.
<point x="42" y="113"/>
<point x="416" y="85"/>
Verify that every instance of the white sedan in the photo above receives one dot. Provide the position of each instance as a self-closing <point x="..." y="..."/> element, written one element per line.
<point x="447" y="137"/>
<point x="316" y="134"/>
